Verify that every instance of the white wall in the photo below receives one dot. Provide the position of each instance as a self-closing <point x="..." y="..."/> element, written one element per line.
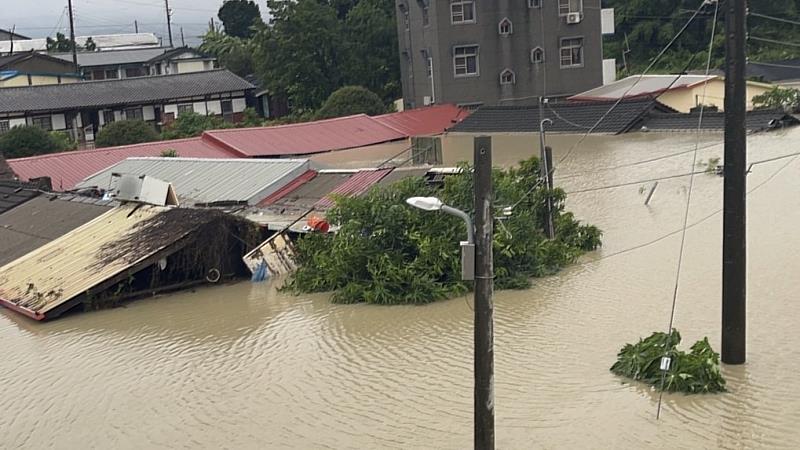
<point x="199" y="108"/>
<point x="59" y="121"/>
<point x="214" y="107"/>
<point x="148" y="112"/>
<point x="171" y="109"/>
<point x="16" y="122"/>
<point x="239" y="105"/>
<point x="118" y="115"/>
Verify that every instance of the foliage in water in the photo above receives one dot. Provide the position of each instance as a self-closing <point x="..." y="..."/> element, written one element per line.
<point x="695" y="372"/>
<point x="387" y="252"/>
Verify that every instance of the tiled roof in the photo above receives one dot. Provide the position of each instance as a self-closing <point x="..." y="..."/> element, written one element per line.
<point x="567" y="117"/>
<point x="39" y="221"/>
<point x="429" y="120"/>
<point x="119" y="92"/>
<point x="198" y="180"/>
<point x="69" y="168"/>
<point x="305" y="138"/>
<point x="756" y="121"/>
<point x="15" y="193"/>
<point x="119" y="57"/>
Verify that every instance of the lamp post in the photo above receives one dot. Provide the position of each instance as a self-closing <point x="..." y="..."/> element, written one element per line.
<point x="468" y="246"/>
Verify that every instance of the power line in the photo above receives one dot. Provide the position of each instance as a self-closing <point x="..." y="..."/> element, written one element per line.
<point x="632" y="183"/>
<point x="773" y="41"/>
<point x="777" y="19"/>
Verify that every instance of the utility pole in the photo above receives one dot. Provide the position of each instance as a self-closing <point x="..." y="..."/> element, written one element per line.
<point x="13" y="30"/>
<point x="169" y="22"/>
<point x="136" y="26"/>
<point x="72" y="36"/>
<point x="183" y="41"/>
<point x="484" y="285"/>
<point x="546" y="172"/>
<point x="734" y="230"/>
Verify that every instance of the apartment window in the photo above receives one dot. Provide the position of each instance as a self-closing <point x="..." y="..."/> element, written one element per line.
<point x="572" y="52"/>
<point x="462" y="11"/>
<point x="43" y="122"/>
<point x="4" y="126"/>
<point x="537" y="55"/>
<point x="133" y="72"/>
<point x="465" y="60"/>
<point x="534" y="3"/>
<point x="569" y="6"/>
<point x="425" y="19"/>
<point x="133" y="114"/>
<point x="187" y="108"/>
<point x="507" y="77"/>
<point x="505" y="27"/>
<point x="108" y="116"/>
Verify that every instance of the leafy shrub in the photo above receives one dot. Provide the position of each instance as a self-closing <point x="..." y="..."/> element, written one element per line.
<point x="387" y="252"/>
<point x="64" y="141"/>
<point x="351" y="100"/>
<point x="29" y="140"/>
<point x="125" y="132"/>
<point x="778" y="98"/>
<point x="192" y="124"/>
<point x="169" y="153"/>
<point x="693" y="373"/>
<point x="250" y="118"/>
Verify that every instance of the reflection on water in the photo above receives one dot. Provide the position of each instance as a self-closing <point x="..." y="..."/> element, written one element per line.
<point x="244" y="366"/>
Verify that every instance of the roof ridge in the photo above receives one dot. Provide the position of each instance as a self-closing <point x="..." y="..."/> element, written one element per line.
<point x="101" y="149"/>
<point x="288" y="125"/>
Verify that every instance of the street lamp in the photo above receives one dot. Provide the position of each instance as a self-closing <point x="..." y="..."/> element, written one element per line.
<point x="468" y="246"/>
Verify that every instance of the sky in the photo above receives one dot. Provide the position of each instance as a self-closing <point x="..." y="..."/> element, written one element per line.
<point x="41" y="18"/>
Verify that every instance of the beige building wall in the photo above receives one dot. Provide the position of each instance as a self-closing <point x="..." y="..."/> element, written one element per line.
<point x="191" y="66"/>
<point x="364" y="157"/>
<point x="684" y="100"/>
<point x="36" y="80"/>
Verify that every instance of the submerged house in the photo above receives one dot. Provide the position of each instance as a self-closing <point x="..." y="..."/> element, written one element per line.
<point x="130" y="251"/>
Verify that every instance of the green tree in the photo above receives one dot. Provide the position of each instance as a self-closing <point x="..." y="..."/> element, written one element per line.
<point x="300" y="55"/>
<point x="90" y="45"/>
<point x="29" y="140"/>
<point x="233" y="53"/>
<point x="63" y="140"/>
<point x="778" y="98"/>
<point x="239" y="17"/>
<point x="61" y="44"/>
<point x="191" y="125"/>
<point x="125" y="132"/>
<point x="372" y="51"/>
<point x="351" y="100"/>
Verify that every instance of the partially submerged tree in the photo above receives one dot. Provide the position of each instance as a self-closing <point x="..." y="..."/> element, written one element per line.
<point x="351" y="100"/>
<point x="61" y="44"/>
<point x="386" y="252"/>
<point x="125" y="132"/>
<point x="778" y="98"/>
<point x="191" y="125"/>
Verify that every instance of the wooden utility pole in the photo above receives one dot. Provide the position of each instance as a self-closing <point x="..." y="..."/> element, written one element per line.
<point x="734" y="242"/>
<point x="183" y="41"/>
<point x="72" y="36"/>
<point x="169" y="22"/>
<point x="484" y="285"/>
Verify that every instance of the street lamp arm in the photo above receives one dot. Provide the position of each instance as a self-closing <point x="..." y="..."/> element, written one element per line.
<point x="464" y="216"/>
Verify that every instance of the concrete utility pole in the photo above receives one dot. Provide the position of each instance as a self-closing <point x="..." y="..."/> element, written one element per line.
<point x="183" y="41"/>
<point x="136" y="26"/>
<point x="169" y="22"/>
<point x="546" y="172"/>
<point x="734" y="243"/>
<point x="72" y="36"/>
<point x="484" y="285"/>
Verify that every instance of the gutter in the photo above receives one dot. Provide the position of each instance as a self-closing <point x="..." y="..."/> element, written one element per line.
<point x="22" y="310"/>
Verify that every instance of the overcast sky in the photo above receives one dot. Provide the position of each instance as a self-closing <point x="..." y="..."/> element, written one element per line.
<point x="40" y="18"/>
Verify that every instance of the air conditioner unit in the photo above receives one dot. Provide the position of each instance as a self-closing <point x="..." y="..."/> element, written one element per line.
<point x="573" y="18"/>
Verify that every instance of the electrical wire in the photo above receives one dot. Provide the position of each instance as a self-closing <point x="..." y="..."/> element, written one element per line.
<point x="686" y="211"/>
<point x="631" y="183"/>
<point x="641" y="76"/>
<point x="773" y="41"/>
<point x="777" y="19"/>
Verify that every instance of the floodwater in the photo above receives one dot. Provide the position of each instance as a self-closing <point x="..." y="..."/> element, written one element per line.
<point x="244" y="366"/>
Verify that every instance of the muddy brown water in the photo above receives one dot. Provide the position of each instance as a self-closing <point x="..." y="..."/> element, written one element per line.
<point x="244" y="366"/>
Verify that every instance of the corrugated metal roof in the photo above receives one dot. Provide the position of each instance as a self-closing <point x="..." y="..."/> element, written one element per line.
<point x="199" y="180"/>
<point x="641" y="86"/>
<point x="356" y="185"/>
<point x="14" y="193"/>
<point x="305" y="138"/>
<point x="429" y="120"/>
<point x="125" y="91"/>
<point x="69" y="168"/>
<point x="401" y="173"/>
<point x="101" y="41"/>
<point x="39" y="221"/>
<point x="51" y="278"/>
<point x="115" y="57"/>
<point x="305" y="195"/>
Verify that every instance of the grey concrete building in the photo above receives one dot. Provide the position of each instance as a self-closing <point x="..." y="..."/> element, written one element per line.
<point x="474" y="52"/>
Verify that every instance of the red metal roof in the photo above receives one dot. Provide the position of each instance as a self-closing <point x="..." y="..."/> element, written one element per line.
<point x="358" y="184"/>
<point x="424" y="121"/>
<point x="305" y="138"/>
<point x="68" y="168"/>
<point x="291" y="186"/>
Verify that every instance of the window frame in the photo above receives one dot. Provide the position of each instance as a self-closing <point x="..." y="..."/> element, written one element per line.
<point x="138" y="110"/>
<point x="510" y="24"/>
<point x="47" y="118"/>
<point x="184" y="108"/>
<point x="565" y="7"/>
<point x="5" y="126"/>
<point x="476" y="55"/>
<point x="533" y="58"/>
<point x="505" y="72"/>
<point x="463" y="4"/>
<point x="535" y="4"/>
<point x="109" y="113"/>
<point x="561" y="49"/>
